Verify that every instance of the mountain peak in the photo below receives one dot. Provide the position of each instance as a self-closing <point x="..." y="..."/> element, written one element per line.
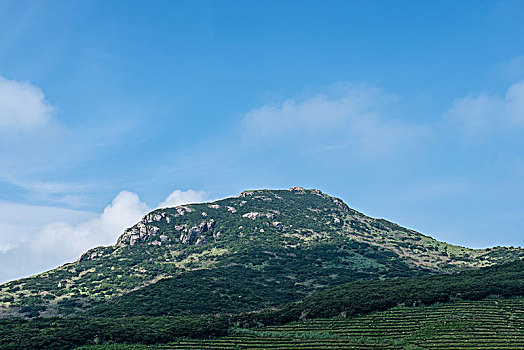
<point x="292" y="189"/>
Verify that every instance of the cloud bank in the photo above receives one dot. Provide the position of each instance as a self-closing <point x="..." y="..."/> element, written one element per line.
<point x="57" y="235"/>
<point x="178" y="197"/>
<point x="345" y="115"/>
<point x="23" y="107"/>
<point x="485" y="114"/>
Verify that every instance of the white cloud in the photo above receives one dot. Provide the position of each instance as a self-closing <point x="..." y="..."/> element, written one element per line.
<point x="23" y="106"/>
<point x="513" y="68"/>
<point x="20" y="226"/>
<point x="72" y="240"/>
<point x="18" y="222"/>
<point x="345" y="115"/>
<point x="485" y="114"/>
<point x="178" y="197"/>
<point x="318" y="114"/>
<point x="39" y="238"/>
<point x="4" y="247"/>
<point x="34" y="238"/>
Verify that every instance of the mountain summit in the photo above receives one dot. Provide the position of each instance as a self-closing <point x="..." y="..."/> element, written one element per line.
<point x="282" y="245"/>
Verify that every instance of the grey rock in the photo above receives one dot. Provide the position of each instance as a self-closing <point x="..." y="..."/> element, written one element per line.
<point x="253" y="215"/>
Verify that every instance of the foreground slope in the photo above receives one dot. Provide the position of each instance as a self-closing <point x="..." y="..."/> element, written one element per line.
<point x="349" y="303"/>
<point x="246" y="253"/>
<point x="492" y="323"/>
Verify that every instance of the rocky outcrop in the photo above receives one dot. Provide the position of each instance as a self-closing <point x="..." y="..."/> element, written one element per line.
<point x="153" y="217"/>
<point x="303" y="190"/>
<point x="139" y="232"/>
<point x="256" y="215"/>
<point x="91" y="254"/>
<point x="245" y="194"/>
<point x="144" y="230"/>
<point x="277" y="224"/>
<point x="197" y="234"/>
<point x="253" y="215"/>
<point x="181" y="210"/>
<point x="201" y="241"/>
<point x="270" y="216"/>
<point x="342" y="205"/>
<point x="146" y="227"/>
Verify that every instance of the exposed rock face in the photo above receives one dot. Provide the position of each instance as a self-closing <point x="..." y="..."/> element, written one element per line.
<point x="191" y="235"/>
<point x="153" y="217"/>
<point x="146" y="228"/>
<point x="264" y="198"/>
<point x="270" y="216"/>
<point x="206" y="226"/>
<point x="253" y="216"/>
<point x="303" y="190"/>
<point x="196" y="234"/>
<point x="90" y="254"/>
<point x="140" y="231"/>
<point x="245" y="194"/>
<point x="341" y="205"/>
<point x="181" y="210"/>
<point x="201" y="241"/>
<point x="150" y="228"/>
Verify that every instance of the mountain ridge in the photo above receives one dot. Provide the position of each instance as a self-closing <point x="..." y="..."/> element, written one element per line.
<point x="142" y="231"/>
<point x="299" y="238"/>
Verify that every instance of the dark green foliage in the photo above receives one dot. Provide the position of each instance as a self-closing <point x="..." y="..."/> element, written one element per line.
<point x="362" y="297"/>
<point x="278" y="277"/>
<point x="229" y="290"/>
<point x="492" y="323"/>
<point x="67" y="333"/>
<point x="359" y="297"/>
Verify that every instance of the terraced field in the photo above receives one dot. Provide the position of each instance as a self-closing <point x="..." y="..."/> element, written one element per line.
<point x="486" y="324"/>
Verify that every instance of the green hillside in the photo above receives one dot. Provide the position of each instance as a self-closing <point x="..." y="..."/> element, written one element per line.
<point x="173" y="297"/>
<point x="486" y="324"/>
<point x="247" y="253"/>
<point x="354" y="304"/>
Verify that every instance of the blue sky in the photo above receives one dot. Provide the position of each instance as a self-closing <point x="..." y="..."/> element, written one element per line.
<point x="412" y="111"/>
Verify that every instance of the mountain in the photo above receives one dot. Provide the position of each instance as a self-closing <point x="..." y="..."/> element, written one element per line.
<point x="255" y="251"/>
